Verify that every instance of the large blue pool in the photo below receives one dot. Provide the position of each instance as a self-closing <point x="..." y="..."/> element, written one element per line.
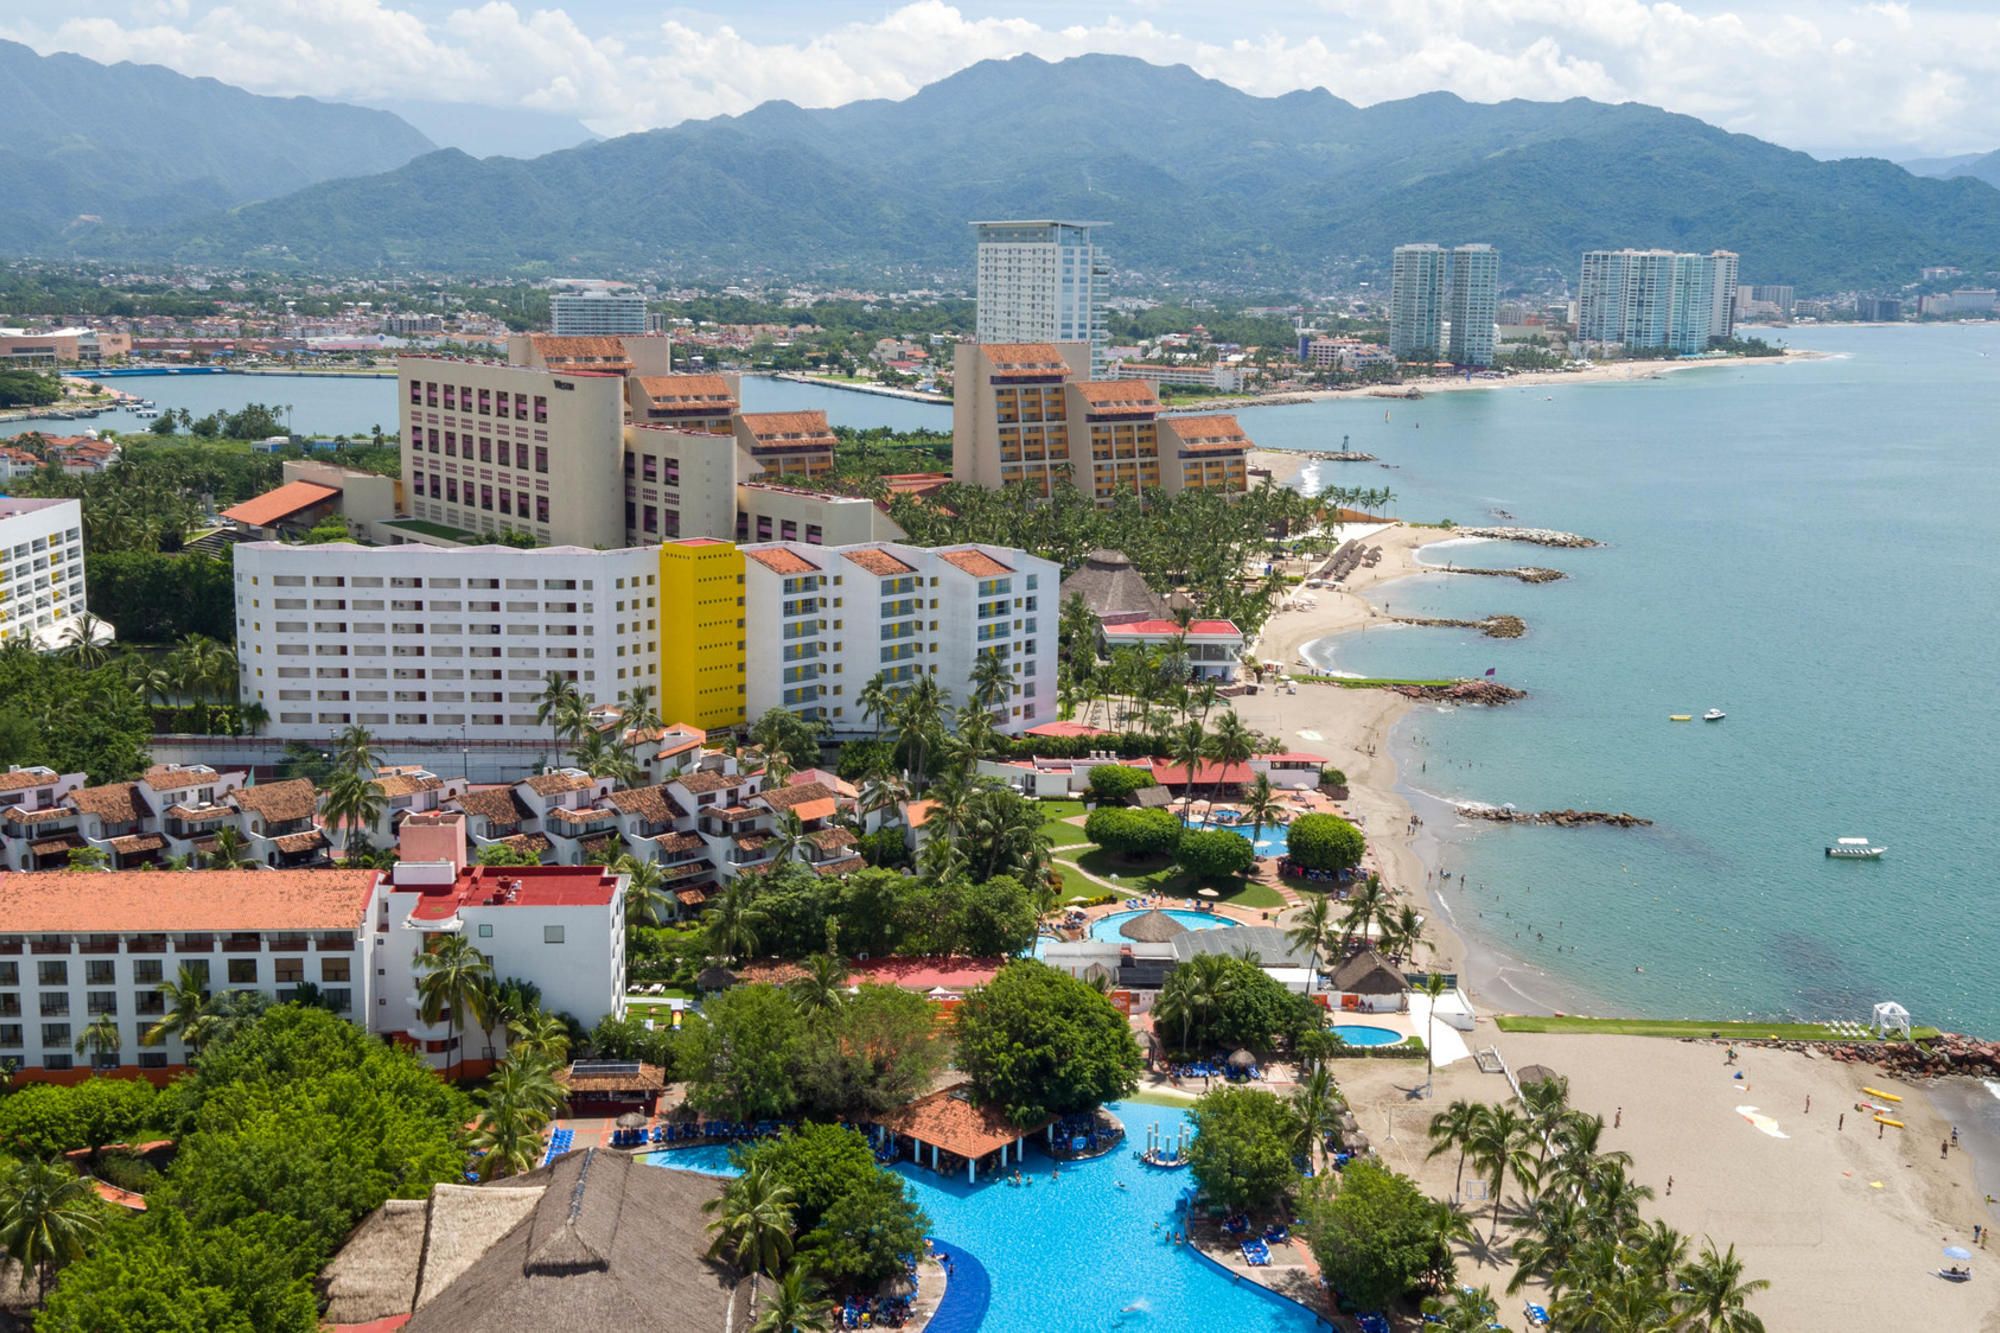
<point x="1360" y="1034"/>
<point x="1271" y="840"/>
<point x="1106" y="927"/>
<point x="1081" y="1255"/>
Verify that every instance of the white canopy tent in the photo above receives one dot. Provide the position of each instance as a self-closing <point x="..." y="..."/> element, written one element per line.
<point x="1891" y="1017"/>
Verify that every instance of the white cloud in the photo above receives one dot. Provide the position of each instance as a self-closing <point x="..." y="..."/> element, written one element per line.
<point x="1880" y="77"/>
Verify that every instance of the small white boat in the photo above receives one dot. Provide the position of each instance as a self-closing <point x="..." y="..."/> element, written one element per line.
<point x="1713" y="715"/>
<point x="1854" y="848"/>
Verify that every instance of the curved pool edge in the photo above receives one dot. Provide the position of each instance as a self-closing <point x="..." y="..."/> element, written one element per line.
<point x="967" y="1292"/>
<point x="1269" y="1293"/>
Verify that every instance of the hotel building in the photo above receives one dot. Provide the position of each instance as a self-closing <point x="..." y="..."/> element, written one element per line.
<point x="596" y="313"/>
<point x="1416" y="301"/>
<point x="1657" y="298"/>
<point x="446" y="642"/>
<point x="41" y="570"/>
<point x="1022" y="413"/>
<point x="1041" y="282"/>
<point x="1473" y="300"/>
<point x="823" y="621"/>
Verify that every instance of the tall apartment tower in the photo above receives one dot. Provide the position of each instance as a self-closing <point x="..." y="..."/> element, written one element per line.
<point x="1416" y="300"/>
<point x="1657" y="298"/>
<point x="1041" y="282"/>
<point x="596" y="314"/>
<point x="1474" y="296"/>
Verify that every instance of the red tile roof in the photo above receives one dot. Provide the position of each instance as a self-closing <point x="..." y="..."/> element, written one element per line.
<point x="708" y="392"/>
<point x="155" y="902"/>
<point x="1292" y="756"/>
<point x="19" y="781"/>
<point x="117" y="803"/>
<point x="781" y="561"/>
<point x="515" y="886"/>
<point x="951" y="1122"/>
<point x="1175" y="775"/>
<point x="1197" y="629"/>
<point x="1119" y="397"/>
<point x="278" y="801"/>
<point x="772" y="429"/>
<point x="162" y="778"/>
<point x="797" y="797"/>
<point x="879" y="562"/>
<point x="602" y="353"/>
<point x="976" y="563"/>
<point x="1024" y="360"/>
<point x="275" y="506"/>
<point x="1056" y="730"/>
<point x="954" y="972"/>
<point x="554" y="784"/>
<point x="1217" y="432"/>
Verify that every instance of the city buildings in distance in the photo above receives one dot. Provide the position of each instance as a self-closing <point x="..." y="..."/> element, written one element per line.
<point x="1444" y="303"/>
<point x="1656" y="299"/>
<point x="1041" y="281"/>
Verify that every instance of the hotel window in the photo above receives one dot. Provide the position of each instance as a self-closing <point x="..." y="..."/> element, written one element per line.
<point x="288" y="971"/>
<point x="790" y="530"/>
<point x="500" y="405"/>
<point x="146" y="971"/>
<point x="433" y="441"/>
<point x="652" y="519"/>
<point x="541" y="459"/>
<point x="451" y="444"/>
<point x="673" y="477"/>
<point x="451" y="398"/>
<point x="485" y="402"/>
<point x="506" y="454"/>
<point x="541" y="509"/>
<point x="419" y="480"/>
<point x="541" y="409"/>
<point x="505" y="506"/>
<point x="243" y="971"/>
<point x="650" y="469"/>
<point x="416" y="393"/>
<point x="451" y="489"/>
<point x="814" y="535"/>
<point x="670" y="522"/>
<point x="520" y="407"/>
<point x="54" y="1003"/>
<point x="485" y="449"/>
<point x="55" y="1034"/>
<point x="10" y="973"/>
<point x="197" y="969"/>
<point x="100" y="972"/>
<point x="430" y="394"/>
<point x="435" y="491"/>
<point x="485" y="497"/>
<point x="486" y="930"/>
<point x="763" y="528"/>
<point x="53" y="974"/>
<point x="552" y="934"/>
<point x="521" y="503"/>
<point x="334" y="969"/>
<point x="10" y="1035"/>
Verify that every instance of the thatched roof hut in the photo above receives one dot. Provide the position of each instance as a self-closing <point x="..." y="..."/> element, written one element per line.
<point x="1367" y="973"/>
<point x="1155" y="927"/>
<point x="1529" y="1075"/>
<point x="1113" y="589"/>
<point x="715" y="978"/>
<point x="375" y="1274"/>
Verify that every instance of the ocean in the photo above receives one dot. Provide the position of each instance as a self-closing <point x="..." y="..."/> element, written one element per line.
<point x="1811" y="547"/>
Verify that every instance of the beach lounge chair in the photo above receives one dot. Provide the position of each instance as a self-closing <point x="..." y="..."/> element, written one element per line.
<point x="1372" y="1322"/>
<point x="1537" y="1317"/>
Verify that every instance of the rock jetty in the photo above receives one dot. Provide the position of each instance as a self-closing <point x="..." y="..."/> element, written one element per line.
<point x="1560" y="818"/>
<point x="1526" y="573"/>
<point x="1493" y="627"/>
<point x="1461" y="692"/>
<point x="1532" y="536"/>
<point x="1951" y="1053"/>
<point x="1341" y="456"/>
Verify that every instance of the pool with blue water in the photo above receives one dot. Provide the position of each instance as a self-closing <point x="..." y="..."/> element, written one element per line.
<point x="1107" y="927"/>
<point x="1089" y="1251"/>
<point x="1270" y="840"/>
<point x="1360" y="1034"/>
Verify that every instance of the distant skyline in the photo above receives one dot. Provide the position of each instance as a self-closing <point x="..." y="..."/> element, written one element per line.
<point x="1896" y="80"/>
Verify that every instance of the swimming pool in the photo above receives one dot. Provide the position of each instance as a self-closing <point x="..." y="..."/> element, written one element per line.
<point x="1271" y="840"/>
<point x="1360" y="1034"/>
<point x="1106" y="927"/>
<point x="710" y="1159"/>
<point x="1081" y="1255"/>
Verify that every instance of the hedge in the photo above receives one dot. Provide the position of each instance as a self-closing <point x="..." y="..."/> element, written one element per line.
<point x="1215" y="853"/>
<point x="1133" y="832"/>
<point x="1325" y="842"/>
<point x="1117" y="782"/>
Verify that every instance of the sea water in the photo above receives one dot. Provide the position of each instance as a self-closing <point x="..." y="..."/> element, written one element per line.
<point x="1812" y="547"/>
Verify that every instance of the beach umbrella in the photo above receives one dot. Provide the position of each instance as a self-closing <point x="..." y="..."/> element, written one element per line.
<point x="1209" y="893"/>
<point x="897" y="1287"/>
<point x="1957" y="1252"/>
<point x="631" y="1120"/>
<point x="1242" y="1060"/>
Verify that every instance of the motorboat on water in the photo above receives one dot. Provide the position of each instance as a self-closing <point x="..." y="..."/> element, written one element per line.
<point x="1855" y="849"/>
<point x="1713" y="715"/>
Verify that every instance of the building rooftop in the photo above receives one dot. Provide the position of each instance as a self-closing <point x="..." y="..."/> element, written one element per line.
<point x="780" y="560"/>
<point x="879" y="562"/>
<point x="1215" y="432"/>
<point x="279" y="801"/>
<point x="689" y="392"/>
<point x="1196" y="629"/>
<point x="154" y="902"/>
<point x="275" y="506"/>
<point x="974" y="562"/>
<point x="1023" y="360"/>
<point x="771" y="429"/>
<point x="1119" y="397"/>
<point x="512" y="886"/>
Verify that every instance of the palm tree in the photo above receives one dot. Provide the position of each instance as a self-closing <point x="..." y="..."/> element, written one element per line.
<point x="919" y="722"/>
<point x="229" y="851"/>
<point x="951" y="803"/>
<point x="1555" y="1226"/>
<point x="1312" y="927"/>
<point x="1715" y="1294"/>
<point x="354" y="751"/>
<point x="1432" y="988"/>
<point x="187" y="1011"/>
<point x="646" y="894"/>
<point x="1191" y="993"/>
<point x="1317" y="1102"/>
<point x="789" y="838"/>
<point x="100" y="1037"/>
<point x="520" y="1098"/>
<point x="992" y="680"/>
<point x="1465" y="1311"/>
<point x="1230" y="743"/>
<point x="83" y="642"/>
<point x="876" y="701"/>
<point x="732" y="921"/>
<point x="1404" y="935"/>
<point x="753" y="1224"/>
<point x="1365" y="908"/>
<point x="1189" y="748"/>
<point x="796" y="1306"/>
<point x="823" y="989"/>
<point x="452" y="977"/>
<point x="1454" y="1127"/>
<point x="254" y="717"/>
<point x="354" y="804"/>
<point x="557" y="696"/>
<point x="541" y="1034"/>
<point x="1261" y="806"/>
<point x="48" y="1215"/>
<point x="1503" y="1146"/>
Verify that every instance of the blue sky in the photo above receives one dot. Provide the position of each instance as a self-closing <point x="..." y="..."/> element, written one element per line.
<point x="1890" y="78"/>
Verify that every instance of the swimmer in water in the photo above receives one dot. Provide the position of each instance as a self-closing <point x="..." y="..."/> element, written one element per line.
<point x="1120" y="1184"/>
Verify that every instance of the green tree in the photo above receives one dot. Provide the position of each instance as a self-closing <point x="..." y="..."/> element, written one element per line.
<point x="883" y="1048"/>
<point x="738" y="1059"/>
<point x="452" y="980"/>
<point x="1214" y="853"/>
<point x="187" y="1010"/>
<point x="1242" y="1149"/>
<point x="753" y="1224"/>
<point x="1325" y="842"/>
<point x="781" y="731"/>
<point x="1133" y="833"/>
<point x="1454" y="1128"/>
<point x="49" y="1215"/>
<point x="516" y="1103"/>
<point x="1038" y="1042"/>
<point x="1715" y="1296"/>
<point x="1117" y="782"/>
<point x="1371" y="1233"/>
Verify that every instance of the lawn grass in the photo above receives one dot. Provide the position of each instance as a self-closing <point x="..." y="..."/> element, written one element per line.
<point x="1673" y="1027"/>
<point x="1053" y="827"/>
<point x="1160" y="875"/>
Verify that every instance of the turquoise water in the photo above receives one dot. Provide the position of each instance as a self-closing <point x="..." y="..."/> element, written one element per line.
<point x="1106" y="927"/>
<point x="1271" y="841"/>
<point x="1081" y="1255"/>
<point x="1359" y="1034"/>
<point x="1811" y="547"/>
<point x="322" y="405"/>
<point x="710" y="1159"/>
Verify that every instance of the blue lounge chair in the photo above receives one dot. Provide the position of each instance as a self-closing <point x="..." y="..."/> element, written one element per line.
<point x="1537" y="1316"/>
<point x="1372" y="1322"/>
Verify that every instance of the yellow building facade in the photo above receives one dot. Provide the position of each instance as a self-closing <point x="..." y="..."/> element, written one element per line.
<point x="701" y="660"/>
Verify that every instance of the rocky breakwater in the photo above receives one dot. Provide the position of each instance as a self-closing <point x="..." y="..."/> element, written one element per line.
<point x="1532" y="536"/>
<point x="1340" y="456"/>
<point x="1951" y="1053"/>
<point x="1461" y="692"/>
<point x="1526" y="573"/>
<point x="1507" y="814"/>
<point x="1493" y="627"/>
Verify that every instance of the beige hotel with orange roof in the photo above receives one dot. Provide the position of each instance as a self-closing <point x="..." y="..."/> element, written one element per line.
<point x="822" y="621"/>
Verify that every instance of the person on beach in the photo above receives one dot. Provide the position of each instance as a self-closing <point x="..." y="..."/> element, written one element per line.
<point x="1618" y="1117"/>
<point x="1842" y="1126"/>
<point x="1670" y="1187"/>
<point x="1944" y="1149"/>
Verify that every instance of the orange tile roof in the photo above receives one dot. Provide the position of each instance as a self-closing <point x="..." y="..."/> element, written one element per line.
<point x="771" y="429"/>
<point x="406" y="784"/>
<point x="976" y="563"/>
<point x="1024" y="359"/>
<point x="18" y="781"/>
<point x="156" y="902"/>
<point x="703" y="781"/>
<point x="117" y="803"/>
<point x="163" y="779"/>
<point x="498" y="804"/>
<point x="554" y="784"/>
<point x="651" y="803"/>
<point x="950" y="1121"/>
<point x="689" y="391"/>
<point x="278" y="801"/>
<point x="781" y="561"/>
<point x="1126" y="395"/>
<point x="1217" y="432"/>
<point x="273" y="506"/>
<point x="605" y="353"/>
<point x="879" y="562"/>
<point x="797" y="797"/>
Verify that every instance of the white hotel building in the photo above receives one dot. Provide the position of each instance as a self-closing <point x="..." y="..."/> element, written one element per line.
<point x="823" y="620"/>
<point x="41" y="569"/>
<point x="1041" y="281"/>
<point x="439" y="643"/>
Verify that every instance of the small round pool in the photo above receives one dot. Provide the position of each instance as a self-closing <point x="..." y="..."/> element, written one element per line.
<point x="1271" y="840"/>
<point x="1360" y="1034"/>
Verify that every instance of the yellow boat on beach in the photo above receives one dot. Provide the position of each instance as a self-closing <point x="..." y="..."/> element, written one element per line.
<point x="1885" y="1096"/>
<point x="1680" y="717"/>
<point x="1885" y="1120"/>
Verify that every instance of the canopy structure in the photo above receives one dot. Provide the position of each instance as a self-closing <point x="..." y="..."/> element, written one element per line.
<point x="1891" y="1017"/>
<point x="1155" y="927"/>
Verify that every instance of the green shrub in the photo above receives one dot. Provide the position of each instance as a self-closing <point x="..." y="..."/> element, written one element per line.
<point x="1325" y="842"/>
<point x="1214" y="853"/>
<point x="1133" y="832"/>
<point x="1117" y="782"/>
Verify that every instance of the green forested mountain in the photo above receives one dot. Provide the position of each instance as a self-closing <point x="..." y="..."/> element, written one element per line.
<point x="1199" y="180"/>
<point x="132" y="145"/>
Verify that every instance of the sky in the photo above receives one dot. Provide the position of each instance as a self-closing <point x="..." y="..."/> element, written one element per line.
<point x="1896" y="78"/>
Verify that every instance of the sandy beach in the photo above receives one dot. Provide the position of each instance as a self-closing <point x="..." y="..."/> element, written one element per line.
<point x="1847" y="1226"/>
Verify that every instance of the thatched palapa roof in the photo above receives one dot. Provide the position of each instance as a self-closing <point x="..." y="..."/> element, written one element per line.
<point x="1113" y="589"/>
<point x="1156" y="927"/>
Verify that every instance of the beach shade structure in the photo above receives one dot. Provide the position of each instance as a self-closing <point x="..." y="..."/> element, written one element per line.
<point x="897" y="1287"/>
<point x="1957" y="1252"/>
<point x="715" y="978"/>
<point x="1209" y="893"/>
<point x="1242" y="1060"/>
<point x="1155" y="927"/>
<point x="631" y="1120"/>
<point x="1891" y="1017"/>
<point x="1530" y="1075"/>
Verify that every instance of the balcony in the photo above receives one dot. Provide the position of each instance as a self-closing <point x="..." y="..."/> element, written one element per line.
<point x="243" y="942"/>
<point x="49" y="946"/>
<point x="195" y="944"/>
<point x="98" y="944"/>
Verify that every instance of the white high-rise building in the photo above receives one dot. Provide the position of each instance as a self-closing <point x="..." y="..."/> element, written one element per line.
<point x="1416" y="300"/>
<point x="41" y="571"/>
<point x="1657" y="298"/>
<point x="596" y="314"/>
<point x="822" y="621"/>
<point x="1041" y="282"/>
<point x="1474" y="298"/>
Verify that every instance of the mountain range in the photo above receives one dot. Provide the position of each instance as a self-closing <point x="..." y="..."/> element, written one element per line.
<point x="1979" y="166"/>
<point x="1198" y="179"/>
<point x="134" y="145"/>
